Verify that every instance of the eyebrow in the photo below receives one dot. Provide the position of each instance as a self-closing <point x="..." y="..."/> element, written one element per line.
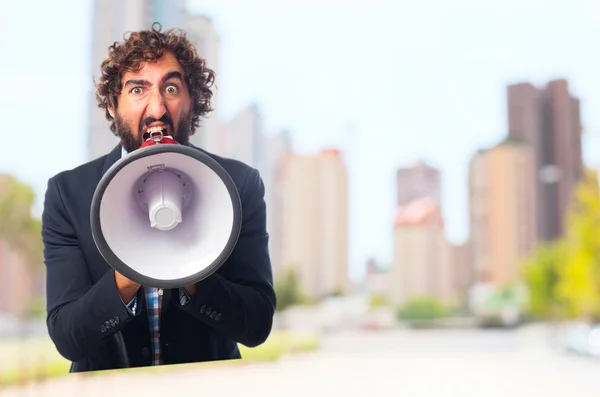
<point x="145" y="83"/>
<point x="175" y="74"/>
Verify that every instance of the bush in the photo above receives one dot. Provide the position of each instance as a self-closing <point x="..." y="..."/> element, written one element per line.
<point x="377" y="300"/>
<point x="422" y="309"/>
<point x="288" y="291"/>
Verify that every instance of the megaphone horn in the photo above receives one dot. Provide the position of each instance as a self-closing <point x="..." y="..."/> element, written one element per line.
<point x="166" y="215"/>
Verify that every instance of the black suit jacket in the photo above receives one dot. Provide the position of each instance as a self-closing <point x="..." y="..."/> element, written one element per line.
<point x="88" y="322"/>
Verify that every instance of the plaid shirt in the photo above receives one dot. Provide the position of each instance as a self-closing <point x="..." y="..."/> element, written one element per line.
<point x="154" y="304"/>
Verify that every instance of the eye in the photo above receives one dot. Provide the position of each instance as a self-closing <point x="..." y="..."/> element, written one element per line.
<point x="171" y="89"/>
<point x="136" y="90"/>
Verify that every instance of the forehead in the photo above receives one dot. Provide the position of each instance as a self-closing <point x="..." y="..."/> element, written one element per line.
<point x="155" y="71"/>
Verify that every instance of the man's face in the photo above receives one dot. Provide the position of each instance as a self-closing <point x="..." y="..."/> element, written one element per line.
<point x="155" y="97"/>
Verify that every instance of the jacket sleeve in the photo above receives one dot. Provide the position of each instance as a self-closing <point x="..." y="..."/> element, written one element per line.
<point x="239" y="299"/>
<point x="80" y="313"/>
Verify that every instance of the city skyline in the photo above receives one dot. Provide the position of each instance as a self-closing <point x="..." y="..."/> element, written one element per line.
<point x="466" y="97"/>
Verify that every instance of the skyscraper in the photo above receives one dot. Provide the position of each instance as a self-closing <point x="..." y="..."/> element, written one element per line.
<point x="247" y="138"/>
<point x="315" y="221"/>
<point x="419" y="245"/>
<point x="202" y="32"/>
<point x="417" y="181"/>
<point x="502" y="211"/>
<point x="548" y="120"/>
<point x="279" y="148"/>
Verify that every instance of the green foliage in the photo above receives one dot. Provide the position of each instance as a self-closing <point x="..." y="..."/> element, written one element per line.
<point x="287" y="290"/>
<point x="279" y="344"/>
<point x="377" y="300"/>
<point x="338" y="292"/>
<point x="563" y="277"/>
<point x="500" y="300"/>
<point x="36" y="308"/>
<point x="579" y="278"/>
<point x="541" y="274"/>
<point x="421" y="309"/>
<point x="18" y="227"/>
<point x="41" y="361"/>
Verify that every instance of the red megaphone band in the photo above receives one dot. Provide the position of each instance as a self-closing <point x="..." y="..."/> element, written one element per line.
<point x="158" y="138"/>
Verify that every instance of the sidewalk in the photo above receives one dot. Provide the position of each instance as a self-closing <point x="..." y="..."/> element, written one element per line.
<point x="429" y="363"/>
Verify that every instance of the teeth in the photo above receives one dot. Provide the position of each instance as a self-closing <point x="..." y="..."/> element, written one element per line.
<point x="155" y="129"/>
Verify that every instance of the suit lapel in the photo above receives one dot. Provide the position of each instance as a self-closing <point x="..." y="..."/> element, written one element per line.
<point x="111" y="159"/>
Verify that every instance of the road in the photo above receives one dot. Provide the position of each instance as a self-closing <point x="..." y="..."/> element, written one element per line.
<point x="396" y="363"/>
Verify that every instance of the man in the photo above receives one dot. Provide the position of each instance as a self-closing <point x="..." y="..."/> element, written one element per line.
<point x="99" y="319"/>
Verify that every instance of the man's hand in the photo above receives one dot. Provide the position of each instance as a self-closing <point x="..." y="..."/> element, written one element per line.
<point x="190" y="289"/>
<point x="127" y="288"/>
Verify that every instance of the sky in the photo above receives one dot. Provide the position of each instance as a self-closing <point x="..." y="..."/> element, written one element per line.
<point x="411" y="80"/>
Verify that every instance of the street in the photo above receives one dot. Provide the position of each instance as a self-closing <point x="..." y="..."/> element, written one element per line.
<point x="391" y="363"/>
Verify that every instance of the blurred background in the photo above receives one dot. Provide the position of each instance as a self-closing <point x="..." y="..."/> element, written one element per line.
<point x="431" y="175"/>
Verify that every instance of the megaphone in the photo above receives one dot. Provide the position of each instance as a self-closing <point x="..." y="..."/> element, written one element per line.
<point x="166" y="215"/>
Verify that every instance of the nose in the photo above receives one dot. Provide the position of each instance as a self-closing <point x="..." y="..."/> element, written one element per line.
<point x="156" y="105"/>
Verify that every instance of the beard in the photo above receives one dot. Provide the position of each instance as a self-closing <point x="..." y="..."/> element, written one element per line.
<point x="132" y="141"/>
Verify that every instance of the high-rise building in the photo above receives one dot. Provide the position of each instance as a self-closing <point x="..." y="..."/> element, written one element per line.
<point x="376" y="279"/>
<point x="502" y="211"/>
<point x="419" y="244"/>
<point x="279" y="148"/>
<point x="247" y="138"/>
<point x="417" y="181"/>
<point x="315" y="221"/>
<point x="210" y="135"/>
<point x="457" y="272"/>
<point x="113" y="19"/>
<point x="548" y="119"/>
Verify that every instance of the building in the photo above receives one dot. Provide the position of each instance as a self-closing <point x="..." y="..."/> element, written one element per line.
<point x="210" y="135"/>
<point x="548" y="119"/>
<point x="417" y="181"/>
<point x="315" y="221"/>
<point x="501" y="211"/>
<point x="279" y="147"/>
<point x="376" y="279"/>
<point x="420" y="246"/>
<point x="248" y="142"/>
<point x="457" y="273"/>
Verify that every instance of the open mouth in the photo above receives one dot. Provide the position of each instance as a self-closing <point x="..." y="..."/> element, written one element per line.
<point x="159" y="130"/>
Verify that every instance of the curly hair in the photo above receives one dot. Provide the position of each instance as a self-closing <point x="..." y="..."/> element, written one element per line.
<point x="148" y="46"/>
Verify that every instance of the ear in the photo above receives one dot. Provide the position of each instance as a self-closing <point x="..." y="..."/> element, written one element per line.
<point x="111" y="111"/>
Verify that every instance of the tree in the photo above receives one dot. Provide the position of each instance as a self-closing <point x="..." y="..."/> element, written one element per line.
<point x="579" y="277"/>
<point x="541" y="274"/>
<point x="563" y="277"/>
<point x="287" y="290"/>
<point x="18" y="228"/>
